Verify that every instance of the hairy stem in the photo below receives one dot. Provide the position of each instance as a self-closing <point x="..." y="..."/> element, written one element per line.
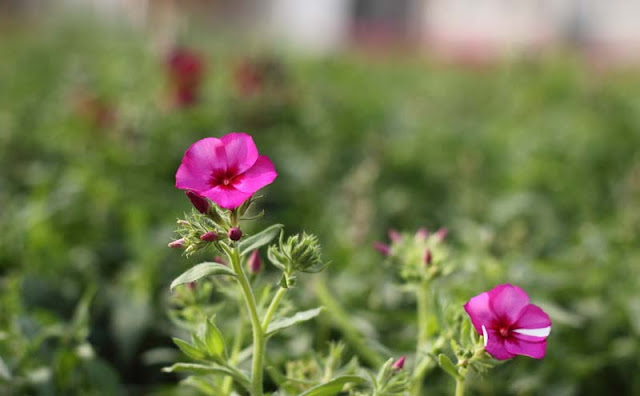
<point x="460" y="386"/>
<point x="422" y="300"/>
<point x="272" y="308"/>
<point x="259" y="340"/>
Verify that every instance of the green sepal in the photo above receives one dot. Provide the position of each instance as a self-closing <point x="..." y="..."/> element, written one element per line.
<point x="188" y="349"/>
<point x="447" y="365"/>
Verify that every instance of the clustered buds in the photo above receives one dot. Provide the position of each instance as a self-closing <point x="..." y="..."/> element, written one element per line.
<point x="209" y="236"/>
<point x="177" y="244"/>
<point x="300" y="253"/>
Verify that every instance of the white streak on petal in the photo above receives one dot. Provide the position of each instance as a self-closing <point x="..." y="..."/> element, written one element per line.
<point x="543" y="332"/>
<point x="485" y="336"/>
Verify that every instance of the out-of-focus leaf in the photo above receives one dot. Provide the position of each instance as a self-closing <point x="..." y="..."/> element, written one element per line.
<point x="334" y="386"/>
<point x="299" y="317"/>
<point x="260" y="239"/>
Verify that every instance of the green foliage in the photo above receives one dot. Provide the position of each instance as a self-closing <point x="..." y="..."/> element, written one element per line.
<point x="532" y="165"/>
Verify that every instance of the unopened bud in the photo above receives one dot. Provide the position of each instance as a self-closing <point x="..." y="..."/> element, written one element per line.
<point x="220" y="260"/>
<point x="235" y="234"/>
<point x="209" y="236"/>
<point x="199" y="202"/>
<point x="428" y="257"/>
<point x="399" y="364"/>
<point x="255" y="262"/>
<point x="177" y="244"/>
<point x="441" y="234"/>
<point x="395" y="236"/>
<point x="183" y="223"/>
<point x="191" y="285"/>
<point x="422" y="234"/>
<point x="382" y="248"/>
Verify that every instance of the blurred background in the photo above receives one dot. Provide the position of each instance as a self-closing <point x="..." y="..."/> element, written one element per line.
<point x="516" y="124"/>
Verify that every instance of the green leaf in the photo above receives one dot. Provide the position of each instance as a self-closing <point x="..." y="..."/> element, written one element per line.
<point x="203" y="369"/>
<point x="302" y="316"/>
<point x="260" y="239"/>
<point x="200" y="271"/>
<point x="188" y="349"/>
<point x="214" y="341"/>
<point x="448" y="366"/>
<point x="5" y="373"/>
<point x="334" y="386"/>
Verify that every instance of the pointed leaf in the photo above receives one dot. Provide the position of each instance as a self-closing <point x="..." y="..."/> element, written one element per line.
<point x="203" y="369"/>
<point x="334" y="386"/>
<point x="260" y="239"/>
<point x="302" y="316"/>
<point x="448" y="366"/>
<point x="200" y="271"/>
<point x="188" y="349"/>
<point x="214" y="341"/>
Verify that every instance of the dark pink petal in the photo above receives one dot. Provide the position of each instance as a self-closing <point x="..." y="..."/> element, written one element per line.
<point x="495" y="346"/>
<point x="259" y="175"/>
<point x="201" y="160"/>
<point x="534" y="324"/>
<point x="226" y="196"/>
<point x="480" y="312"/>
<point x="241" y="151"/>
<point x="508" y="301"/>
<point x="535" y="350"/>
<point x="384" y="249"/>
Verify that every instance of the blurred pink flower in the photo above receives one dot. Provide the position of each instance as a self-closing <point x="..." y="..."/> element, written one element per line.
<point x="509" y="324"/>
<point x="186" y="69"/>
<point x="227" y="170"/>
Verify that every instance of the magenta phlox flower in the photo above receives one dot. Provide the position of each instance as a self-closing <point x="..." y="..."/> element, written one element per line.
<point x="509" y="324"/>
<point x="227" y="170"/>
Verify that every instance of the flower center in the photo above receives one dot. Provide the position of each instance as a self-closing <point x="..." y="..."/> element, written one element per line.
<point x="504" y="331"/>
<point x="226" y="181"/>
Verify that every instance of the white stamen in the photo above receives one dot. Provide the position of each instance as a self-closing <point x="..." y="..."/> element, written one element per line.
<point x="485" y="335"/>
<point x="543" y="332"/>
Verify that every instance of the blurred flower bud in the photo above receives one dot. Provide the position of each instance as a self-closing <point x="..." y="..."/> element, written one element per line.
<point x="235" y="234"/>
<point x="300" y="252"/>
<point x="422" y="234"/>
<point x="209" y="236"/>
<point x="177" y="244"/>
<point x="399" y="364"/>
<point x="395" y="236"/>
<point x="191" y="285"/>
<point x="199" y="202"/>
<point x="220" y="260"/>
<point x="441" y="234"/>
<point x="382" y="248"/>
<point x="255" y="262"/>
<point x="428" y="257"/>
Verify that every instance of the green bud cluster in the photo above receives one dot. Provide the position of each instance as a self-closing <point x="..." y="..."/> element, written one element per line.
<point x="420" y="256"/>
<point x="300" y="253"/>
<point x="391" y="381"/>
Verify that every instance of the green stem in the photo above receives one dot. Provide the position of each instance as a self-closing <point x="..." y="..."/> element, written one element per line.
<point x="272" y="308"/>
<point x="259" y="340"/>
<point x="422" y="302"/>
<point x="344" y="323"/>
<point x="460" y="386"/>
<point x="233" y="358"/>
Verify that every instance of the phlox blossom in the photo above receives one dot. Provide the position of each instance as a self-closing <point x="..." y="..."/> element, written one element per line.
<point x="226" y="170"/>
<point x="509" y="324"/>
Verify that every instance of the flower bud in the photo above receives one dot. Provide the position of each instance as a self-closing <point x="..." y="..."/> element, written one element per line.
<point x="255" y="262"/>
<point x="177" y="244"/>
<point x="422" y="234"/>
<point x="209" y="236"/>
<point x="235" y="234"/>
<point x="198" y="202"/>
<point x="428" y="257"/>
<point x="441" y="234"/>
<point x="395" y="236"/>
<point x="382" y="248"/>
<point x="399" y="364"/>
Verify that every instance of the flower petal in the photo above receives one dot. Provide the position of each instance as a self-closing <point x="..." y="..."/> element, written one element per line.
<point x="494" y="345"/>
<point x="202" y="159"/>
<point x="480" y="311"/>
<point x="259" y="175"/>
<point x="533" y="325"/>
<point x="535" y="350"/>
<point x="226" y="196"/>
<point x="508" y="301"/>
<point x="241" y="151"/>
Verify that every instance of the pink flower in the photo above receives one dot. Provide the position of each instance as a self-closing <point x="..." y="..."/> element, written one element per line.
<point x="509" y="324"/>
<point x="226" y="170"/>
